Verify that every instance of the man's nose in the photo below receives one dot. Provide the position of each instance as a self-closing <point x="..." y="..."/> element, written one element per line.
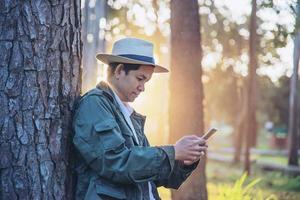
<point x="141" y="87"/>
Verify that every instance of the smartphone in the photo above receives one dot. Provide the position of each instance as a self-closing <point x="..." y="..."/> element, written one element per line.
<point x="209" y="133"/>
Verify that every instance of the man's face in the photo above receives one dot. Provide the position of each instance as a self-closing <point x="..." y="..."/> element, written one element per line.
<point x="130" y="85"/>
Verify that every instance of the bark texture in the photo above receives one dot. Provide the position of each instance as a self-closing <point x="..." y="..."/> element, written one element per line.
<point x="186" y="90"/>
<point x="250" y="123"/>
<point x="40" y="55"/>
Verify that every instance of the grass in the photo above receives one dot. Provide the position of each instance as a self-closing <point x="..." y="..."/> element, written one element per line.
<point x="272" y="185"/>
<point x="239" y="190"/>
<point x="272" y="159"/>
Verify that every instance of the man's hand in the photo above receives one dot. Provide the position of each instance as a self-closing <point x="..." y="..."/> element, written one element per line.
<point x="189" y="149"/>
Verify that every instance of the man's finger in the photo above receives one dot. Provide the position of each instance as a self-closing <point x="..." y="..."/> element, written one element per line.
<point x="199" y="148"/>
<point x="192" y="137"/>
<point x="196" y="153"/>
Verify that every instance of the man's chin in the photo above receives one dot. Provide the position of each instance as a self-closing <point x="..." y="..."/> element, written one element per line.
<point x="131" y="99"/>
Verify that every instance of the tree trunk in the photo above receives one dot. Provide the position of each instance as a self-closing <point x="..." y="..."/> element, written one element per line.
<point x="240" y="125"/>
<point x="186" y="90"/>
<point x="40" y="55"/>
<point x="250" y="122"/>
<point x="238" y="142"/>
<point x="293" y="104"/>
<point x="93" y="32"/>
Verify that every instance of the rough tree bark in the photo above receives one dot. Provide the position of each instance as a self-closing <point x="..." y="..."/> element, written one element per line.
<point x="40" y="55"/>
<point x="250" y="123"/>
<point x="186" y="90"/>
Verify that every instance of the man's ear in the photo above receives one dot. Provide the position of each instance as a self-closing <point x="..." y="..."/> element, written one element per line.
<point x="118" y="71"/>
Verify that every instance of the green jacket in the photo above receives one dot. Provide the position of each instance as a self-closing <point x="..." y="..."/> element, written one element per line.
<point x="110" y="164"/>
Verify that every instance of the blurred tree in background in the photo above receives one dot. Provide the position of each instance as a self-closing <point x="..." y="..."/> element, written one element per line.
<point x="94" y="17"/>
<point x="250" y="123"/>
<point x="186" y="89"/>
<point x="294" y="93"/>
<point x="273" y="101"/>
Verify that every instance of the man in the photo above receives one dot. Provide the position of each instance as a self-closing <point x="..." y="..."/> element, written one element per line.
<point x="115" y="159"/>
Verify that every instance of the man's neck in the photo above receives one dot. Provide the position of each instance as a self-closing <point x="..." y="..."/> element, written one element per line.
<point x="112" y="84"/>
<point x="126" y="104"/>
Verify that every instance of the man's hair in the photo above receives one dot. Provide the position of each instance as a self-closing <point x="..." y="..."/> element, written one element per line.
<point x="126" y="67"/>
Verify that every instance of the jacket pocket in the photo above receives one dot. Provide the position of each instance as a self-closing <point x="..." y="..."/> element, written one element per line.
<point x="108" y="189"/>
<point x="109" y="134"/>
<point x="105" y="125"/>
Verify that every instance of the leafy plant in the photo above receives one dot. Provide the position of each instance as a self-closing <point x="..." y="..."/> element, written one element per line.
<point x="241" y="191"/>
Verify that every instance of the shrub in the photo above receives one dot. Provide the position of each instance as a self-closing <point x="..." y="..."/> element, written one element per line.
<point x="241" y="191"/>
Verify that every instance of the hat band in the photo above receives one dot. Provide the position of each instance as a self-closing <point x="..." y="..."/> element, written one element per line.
<point x="140" y="58"/>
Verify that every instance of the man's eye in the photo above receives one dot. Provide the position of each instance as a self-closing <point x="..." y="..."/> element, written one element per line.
<point x="139" y="79"/>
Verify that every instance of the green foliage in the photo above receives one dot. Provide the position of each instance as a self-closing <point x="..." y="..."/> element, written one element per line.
<point x="273" y="100"/>
<point x="222" y="31"/>
<point x="239" y="191"/>
<point x="293" y="184"/>
<point x="224" y="93"/>
<point x="272" y="185"/>
<point x="282" y="183"/>
<point x="233" y="36"/>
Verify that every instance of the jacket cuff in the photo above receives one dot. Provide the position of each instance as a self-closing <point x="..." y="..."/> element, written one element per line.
<point x="170" y="152"/>
<point x="187" y="169"/>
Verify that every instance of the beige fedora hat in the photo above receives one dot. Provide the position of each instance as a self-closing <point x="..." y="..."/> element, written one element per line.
<point x="132" y="51"/>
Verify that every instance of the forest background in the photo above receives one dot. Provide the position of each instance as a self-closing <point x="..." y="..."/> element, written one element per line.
<point x="233" y="65"/>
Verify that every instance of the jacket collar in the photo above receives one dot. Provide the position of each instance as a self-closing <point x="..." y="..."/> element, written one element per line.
<point x="110" y="94"/>
<point x="105" y="88"/>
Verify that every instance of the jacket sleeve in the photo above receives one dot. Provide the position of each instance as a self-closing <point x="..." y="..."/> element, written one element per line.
<point x="178" y="175"/>
<point x="102" y="145"/>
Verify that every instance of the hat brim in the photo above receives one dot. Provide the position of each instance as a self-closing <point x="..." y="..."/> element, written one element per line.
<point x="108" y="58"/>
